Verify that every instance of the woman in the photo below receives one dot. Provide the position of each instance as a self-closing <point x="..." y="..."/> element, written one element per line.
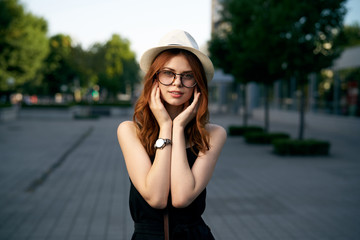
<point x="170" y="149"/>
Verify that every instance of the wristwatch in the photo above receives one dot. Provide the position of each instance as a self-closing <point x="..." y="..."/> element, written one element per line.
<point x="161" y="143"/>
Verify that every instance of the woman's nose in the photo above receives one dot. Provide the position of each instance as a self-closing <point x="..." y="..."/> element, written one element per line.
<point x="177" y="80"/>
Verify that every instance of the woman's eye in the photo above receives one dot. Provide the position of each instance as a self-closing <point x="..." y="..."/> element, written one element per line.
<point x="168" y="73"/>
<point x="188" y="76"/>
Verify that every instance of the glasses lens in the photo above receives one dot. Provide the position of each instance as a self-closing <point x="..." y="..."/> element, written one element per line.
<point x="188" y="80"/>
<point x="166" y="77"/>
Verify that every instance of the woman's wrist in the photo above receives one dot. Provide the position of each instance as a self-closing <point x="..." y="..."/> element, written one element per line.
<point x="178" y="128"/>
<point x="177" y="125"/>
<point x="165" y="130"/>
<point x="166" y="125"/>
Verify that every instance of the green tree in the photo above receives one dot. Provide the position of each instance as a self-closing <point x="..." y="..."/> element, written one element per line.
<point x="222" y="51"/>
<point x="245" y="47"/>
<point x="23" y="45"/>
<point x="118" y="69"/>
<point x="84" y="67"/>
<point x="58" y="70"/>
<point x="260" y="38"/>
<point x="268" y="39"/>
<point x="349" y="36"/>
<point x="309" y="45"/>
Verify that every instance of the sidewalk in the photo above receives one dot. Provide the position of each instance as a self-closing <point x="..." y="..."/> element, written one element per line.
<point x="67" y="180"/>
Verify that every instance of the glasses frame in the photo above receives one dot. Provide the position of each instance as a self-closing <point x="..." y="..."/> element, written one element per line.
<point x="181" y="80"/>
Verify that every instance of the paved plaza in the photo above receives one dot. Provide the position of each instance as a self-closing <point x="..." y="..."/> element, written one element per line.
<point x="66" y="179"/>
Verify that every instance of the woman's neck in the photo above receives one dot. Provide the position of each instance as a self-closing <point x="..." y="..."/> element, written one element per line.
<point x="173" y="111"/>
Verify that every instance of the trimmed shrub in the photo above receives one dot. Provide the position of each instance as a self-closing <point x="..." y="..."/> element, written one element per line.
<point x="241" y="130"/>
<point x="5" y="105"/>
<point x="264" y="137"/>
<point x="84" y="117"/>
<point x="309" y="147"/>
<point x="46" y="106"/>
<point x="107" y="104"/>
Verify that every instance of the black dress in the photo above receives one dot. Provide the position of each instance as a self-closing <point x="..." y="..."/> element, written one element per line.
<point x="184" y="223"/>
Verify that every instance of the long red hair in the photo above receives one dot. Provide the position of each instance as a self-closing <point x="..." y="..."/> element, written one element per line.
<point x="147" y="126"/>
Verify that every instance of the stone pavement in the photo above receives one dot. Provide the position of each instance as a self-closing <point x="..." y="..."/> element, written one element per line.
<point x="67" y="180"/>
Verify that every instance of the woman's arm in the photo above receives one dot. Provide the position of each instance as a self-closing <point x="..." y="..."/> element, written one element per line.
<point x="186" y="183"/>
<point x="151" y="180"/>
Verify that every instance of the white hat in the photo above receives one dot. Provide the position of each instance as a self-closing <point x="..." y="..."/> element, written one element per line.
<point x="177" y="39"/>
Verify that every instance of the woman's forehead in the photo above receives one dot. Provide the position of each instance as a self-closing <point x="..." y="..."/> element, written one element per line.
<point x="178" y="63"/>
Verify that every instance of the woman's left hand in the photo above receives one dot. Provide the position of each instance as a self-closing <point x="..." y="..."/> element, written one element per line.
<point x="189" y="111"/>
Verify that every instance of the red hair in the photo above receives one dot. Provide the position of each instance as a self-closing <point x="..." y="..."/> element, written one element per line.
<point x="147" y="126"/>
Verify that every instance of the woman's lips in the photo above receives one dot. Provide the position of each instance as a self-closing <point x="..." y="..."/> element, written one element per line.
<point x="175" y="94"/>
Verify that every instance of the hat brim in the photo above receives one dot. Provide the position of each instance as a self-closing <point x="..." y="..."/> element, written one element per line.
<point x="148" y="57"/>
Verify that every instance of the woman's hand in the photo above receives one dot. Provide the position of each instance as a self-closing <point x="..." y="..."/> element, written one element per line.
<point x="189" y="111"/>
<point x="157" y="107"/>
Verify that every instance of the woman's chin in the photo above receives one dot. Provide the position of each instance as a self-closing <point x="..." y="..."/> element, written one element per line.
<point x="175" y="102"/>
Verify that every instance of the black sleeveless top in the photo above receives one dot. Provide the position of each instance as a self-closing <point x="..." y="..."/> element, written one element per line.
<point x="184" y="223"/>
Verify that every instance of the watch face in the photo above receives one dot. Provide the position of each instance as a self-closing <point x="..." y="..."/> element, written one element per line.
<point x="159" y="143"/>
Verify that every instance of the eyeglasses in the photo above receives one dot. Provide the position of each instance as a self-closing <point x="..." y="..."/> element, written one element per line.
<point x="167" y="77"/>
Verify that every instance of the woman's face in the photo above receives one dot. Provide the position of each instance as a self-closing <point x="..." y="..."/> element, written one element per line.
<point x="176" y="94"/>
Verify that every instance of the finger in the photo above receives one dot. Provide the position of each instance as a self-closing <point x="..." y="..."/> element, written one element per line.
<point x="196" y="98"/>
<point x="195" y="103"/>
<point x="157" y="95"/>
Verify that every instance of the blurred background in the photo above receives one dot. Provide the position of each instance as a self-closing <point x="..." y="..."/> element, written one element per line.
<point x="265" y="53"/>
<point x="287" y="69"/>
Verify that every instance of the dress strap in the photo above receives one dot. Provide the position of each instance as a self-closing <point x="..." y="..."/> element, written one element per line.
<point x="166" y="224"/>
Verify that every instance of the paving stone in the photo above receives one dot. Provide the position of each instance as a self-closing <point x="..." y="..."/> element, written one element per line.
<point x="253" y="194"/>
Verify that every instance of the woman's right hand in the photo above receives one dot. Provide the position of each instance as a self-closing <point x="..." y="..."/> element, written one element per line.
<point x="157" y="107"/>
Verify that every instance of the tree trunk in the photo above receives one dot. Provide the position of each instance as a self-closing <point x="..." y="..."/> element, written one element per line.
<point x="266" y="107"/>
<point x="244" y="102"/>
<point x="302" y="111"/>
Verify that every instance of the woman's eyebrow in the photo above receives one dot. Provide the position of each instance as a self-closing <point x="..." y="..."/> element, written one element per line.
<point x="171" y="69"/>
<point x="167" y="68"/>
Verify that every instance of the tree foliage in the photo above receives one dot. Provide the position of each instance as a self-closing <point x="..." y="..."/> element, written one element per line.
<point x="349" y="36"/>
<point x="268" y="39"/>
<point x="116" y="65"/>
<point x="32" y="63"/>
<point x="112" y="65"/>
<point x="309" y="38"/>
<point x="58" y="69"/>
<point x="23" y="44"/>
<point x="265" y="40"/>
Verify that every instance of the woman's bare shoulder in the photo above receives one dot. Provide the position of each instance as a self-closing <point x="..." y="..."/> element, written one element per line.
<point x="216" y="130"/>
<point x="126" y="127"/>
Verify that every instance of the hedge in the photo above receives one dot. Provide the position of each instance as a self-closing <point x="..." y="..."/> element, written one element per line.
<point x="264" y="137"/>
<point x="106" y="104"/>
<point x="241" y="130"/>
<point x="93" y="104"/>
<point x="46" y="106"/>
<point x="309" y="147"/>
<point x="5" y="105"/>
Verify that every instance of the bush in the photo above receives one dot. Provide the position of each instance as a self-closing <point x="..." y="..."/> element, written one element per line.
<point x="5" y="105"/>
<point x="107" y="104"/>
<point x="309" y="147"/>
<point x="46" y="106"/>
<point x="264" y="137"/>
<point x="241" y="130"/>
<point x="86" y="117"/>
